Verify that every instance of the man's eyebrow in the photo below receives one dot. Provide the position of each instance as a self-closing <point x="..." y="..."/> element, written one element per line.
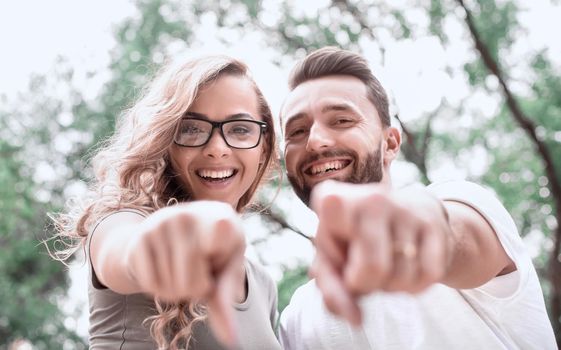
<point x="339" y="107"/>
<point x="294" y="118"/>
<point x="231" y="116"/>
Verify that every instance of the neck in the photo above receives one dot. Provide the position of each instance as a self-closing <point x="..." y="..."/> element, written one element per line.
<point x="386" y="178"/>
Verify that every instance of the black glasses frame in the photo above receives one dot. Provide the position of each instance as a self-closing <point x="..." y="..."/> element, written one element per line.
<point x="218" y="125"/>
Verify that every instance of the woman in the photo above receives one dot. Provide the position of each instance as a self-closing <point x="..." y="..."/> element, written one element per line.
<point x="162" y="234"/>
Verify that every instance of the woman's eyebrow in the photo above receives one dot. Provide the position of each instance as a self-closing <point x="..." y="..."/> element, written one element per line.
<point x="196" y="115"/>
<point x="231" y="116"/>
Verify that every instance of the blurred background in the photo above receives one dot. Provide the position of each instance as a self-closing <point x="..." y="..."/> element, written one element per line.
<point x="475" y="87"/>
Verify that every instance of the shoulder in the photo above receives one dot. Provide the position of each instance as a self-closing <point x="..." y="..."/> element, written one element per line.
<point x="112" y="219"/>
<point x="461" y="189"/>
<point x="258" y="272"/>
<point x="303" y="297"/>
<point x="262" y="279"/>
<point x="301" y="316"/>
<point x="465" y="191"/>
<point x="480" y="198"/>
<point x="116" y="215"/>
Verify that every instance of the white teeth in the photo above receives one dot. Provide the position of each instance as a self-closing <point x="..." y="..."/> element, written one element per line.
<point x="321" y="168"/>
<point x="215" y="174"/>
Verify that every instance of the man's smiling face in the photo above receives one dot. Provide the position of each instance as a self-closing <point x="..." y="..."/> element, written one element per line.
<point x="331" y="131"/>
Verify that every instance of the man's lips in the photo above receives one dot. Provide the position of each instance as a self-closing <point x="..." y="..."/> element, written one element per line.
<point x="326" y="166"/>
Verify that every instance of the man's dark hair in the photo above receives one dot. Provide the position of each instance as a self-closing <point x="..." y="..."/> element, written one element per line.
<point x="334" y="61"/>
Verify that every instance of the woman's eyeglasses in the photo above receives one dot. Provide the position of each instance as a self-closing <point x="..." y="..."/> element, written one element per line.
<point x="237" y="133"/>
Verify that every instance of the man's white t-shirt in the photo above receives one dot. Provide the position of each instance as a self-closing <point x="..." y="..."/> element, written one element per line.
<point x="508" y="312"/>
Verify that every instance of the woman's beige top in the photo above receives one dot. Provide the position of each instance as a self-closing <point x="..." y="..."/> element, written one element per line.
<point x="117" y="321"/>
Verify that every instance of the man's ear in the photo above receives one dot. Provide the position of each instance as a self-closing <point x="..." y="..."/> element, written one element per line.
<point x="392" y="143"/>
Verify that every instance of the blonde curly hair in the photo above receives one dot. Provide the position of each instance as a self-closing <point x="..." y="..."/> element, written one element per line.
<point x="132" y="170"/>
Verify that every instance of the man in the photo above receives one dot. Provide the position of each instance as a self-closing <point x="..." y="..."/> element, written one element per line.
<point x="441" y="267"/>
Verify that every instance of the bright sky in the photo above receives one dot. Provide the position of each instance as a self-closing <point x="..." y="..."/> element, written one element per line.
<point x="34" y="33"/>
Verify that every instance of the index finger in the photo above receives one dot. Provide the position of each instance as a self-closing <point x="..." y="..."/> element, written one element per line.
<point x="333" y="234"/>
<point x="335" y="296"/>
<point x="335" y="214"/>
<point x="220" y="310"/>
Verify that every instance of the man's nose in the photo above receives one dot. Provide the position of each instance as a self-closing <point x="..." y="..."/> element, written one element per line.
<point x="217" y="146"/>
<point x="319" y="138"/>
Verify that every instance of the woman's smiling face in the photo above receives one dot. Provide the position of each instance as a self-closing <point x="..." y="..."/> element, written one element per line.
<point x="216" y="171"/>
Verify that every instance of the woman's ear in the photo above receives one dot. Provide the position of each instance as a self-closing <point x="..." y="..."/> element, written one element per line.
<point x="392" y="143"/>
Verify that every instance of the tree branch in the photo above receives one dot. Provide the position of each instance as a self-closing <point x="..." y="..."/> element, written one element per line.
<point x="412" y="153"/>
<point x="268" y="214"/>
<point x="529" y="127"/>
<point x="519" y="116"/>
<point x="354" y="11"/>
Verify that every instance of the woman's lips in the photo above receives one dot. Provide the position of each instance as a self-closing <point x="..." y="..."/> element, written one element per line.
<point x="216" y="176"/>
<point x="212" y="174"/>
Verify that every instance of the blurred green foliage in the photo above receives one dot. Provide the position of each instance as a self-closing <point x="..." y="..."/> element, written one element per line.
<point x="31" y="282"/>
<point x="292" y="279"/>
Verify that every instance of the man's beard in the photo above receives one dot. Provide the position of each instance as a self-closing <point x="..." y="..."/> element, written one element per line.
<point x="370" y="170"/>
